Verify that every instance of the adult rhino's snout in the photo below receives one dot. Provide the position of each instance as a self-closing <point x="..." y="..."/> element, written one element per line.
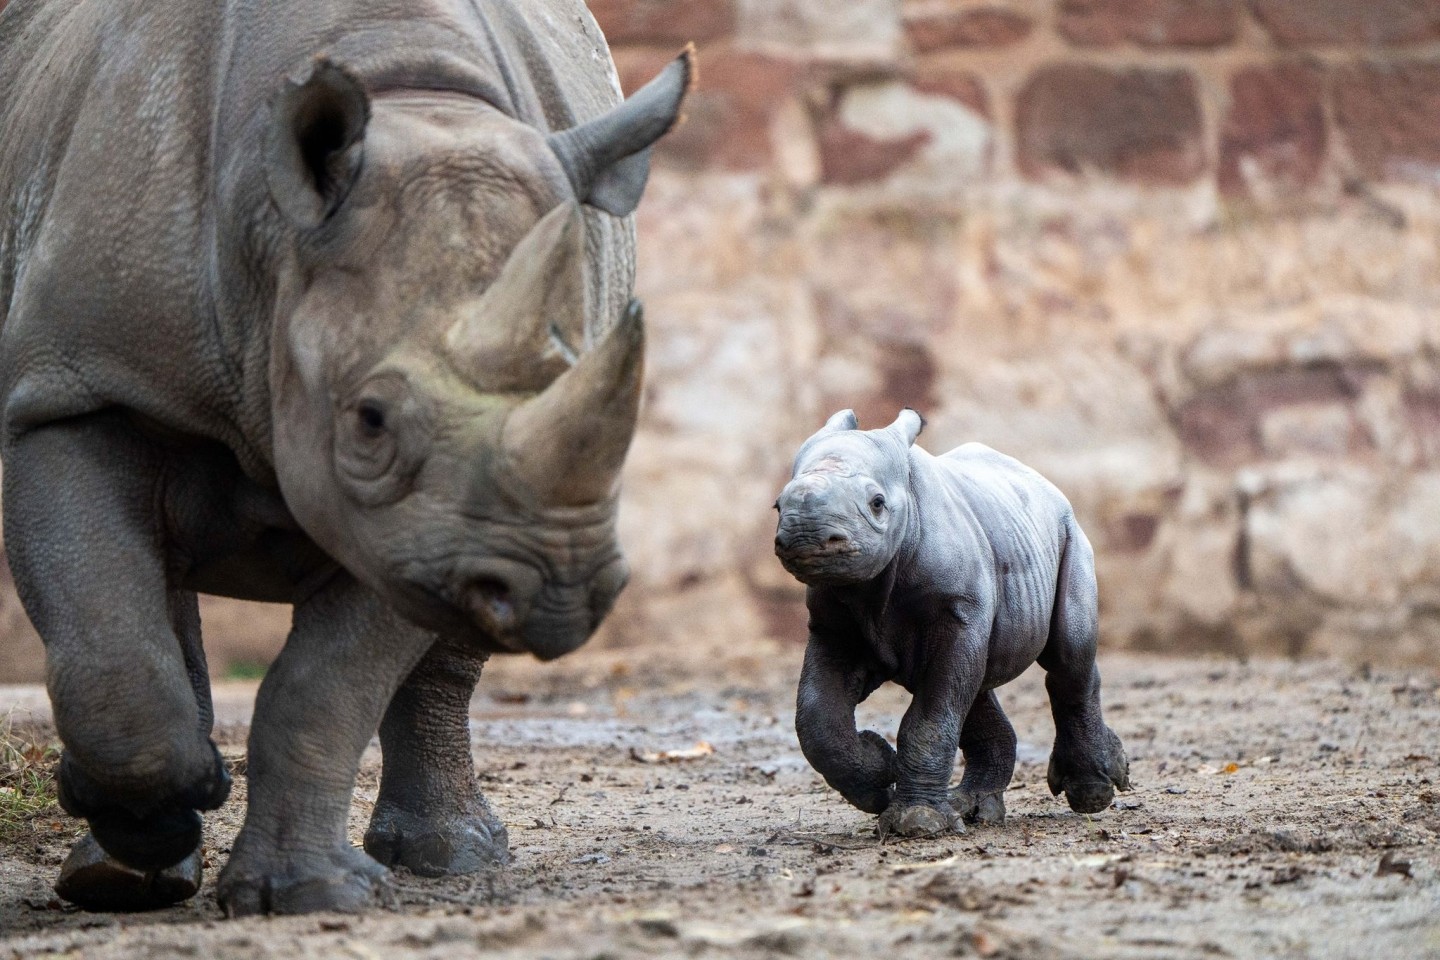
<point x="520" y="611"/>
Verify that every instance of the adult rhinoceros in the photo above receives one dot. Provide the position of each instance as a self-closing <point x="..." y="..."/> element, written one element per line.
<point x="324" y="302"/>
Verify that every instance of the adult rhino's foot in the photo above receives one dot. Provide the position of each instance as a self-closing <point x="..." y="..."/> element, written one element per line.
<point x="1089" y="773"/>
<point x="437" y="846"/>
<point x="919" y="820"/>
<point x="343" y="880"/>
<point x="986" y="808"/>
<point x="94" y="880"/>
<point x="166" y="833"/>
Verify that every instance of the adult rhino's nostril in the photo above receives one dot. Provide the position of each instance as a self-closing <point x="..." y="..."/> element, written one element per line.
<point x="835" y="539"/>
<point x="492" y="604"/>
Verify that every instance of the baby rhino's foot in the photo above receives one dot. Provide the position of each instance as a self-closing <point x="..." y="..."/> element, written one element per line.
<point x="919" y="820"/>
<point x="987" y="808"/>
<point x="1089" y="774"/>
<point x="94" y="880"/>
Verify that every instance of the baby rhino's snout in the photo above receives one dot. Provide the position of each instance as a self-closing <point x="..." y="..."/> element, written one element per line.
<point x="809" y="532"/>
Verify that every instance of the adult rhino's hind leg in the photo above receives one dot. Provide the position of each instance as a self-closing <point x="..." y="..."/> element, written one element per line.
<point x="85" y="542"/>
<point x="430" y="816"/>
<point x="318" y="707"/>
<point x="988" y="741"/>
<point x="1088" y="762"/>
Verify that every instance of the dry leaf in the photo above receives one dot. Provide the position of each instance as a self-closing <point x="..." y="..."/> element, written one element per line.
<point x="701" y="749"/>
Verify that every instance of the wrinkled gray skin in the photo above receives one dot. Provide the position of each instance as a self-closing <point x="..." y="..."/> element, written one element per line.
<point x="325" y="303"/>
<point x="948" y="575"/>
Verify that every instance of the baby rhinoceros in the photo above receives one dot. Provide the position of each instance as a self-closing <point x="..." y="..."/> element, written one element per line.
<point x="949" y="575"/>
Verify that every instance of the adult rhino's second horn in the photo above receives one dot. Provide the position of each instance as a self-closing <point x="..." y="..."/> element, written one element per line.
<point x="565" y="447"/>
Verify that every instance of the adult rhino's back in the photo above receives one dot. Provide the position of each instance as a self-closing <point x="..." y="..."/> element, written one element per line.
<point x="137" y="243"/>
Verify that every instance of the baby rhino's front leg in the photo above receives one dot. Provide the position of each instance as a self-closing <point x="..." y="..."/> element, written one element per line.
<point x="929" y="734"/>
<point x="861" y="766"/>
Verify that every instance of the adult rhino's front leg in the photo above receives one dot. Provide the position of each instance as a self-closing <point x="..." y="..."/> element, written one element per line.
<point x="430" y="816"/>
<point x="86" y="543"/>
<point x="319" y="705"/>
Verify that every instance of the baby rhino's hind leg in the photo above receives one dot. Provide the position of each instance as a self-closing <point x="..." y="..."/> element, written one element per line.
<point x="1088" y="762"/>
<point x="988" y="742"/>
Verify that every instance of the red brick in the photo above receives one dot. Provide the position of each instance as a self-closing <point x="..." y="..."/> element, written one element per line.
<point x="848" y="157"/>
<point x="664" y="21"/>
<point x="1301" y="23"/>
<point x="728" y="116"/>
<point x="1276" y="125"/>
<point x="1390" y="118"/>
<point x="1150" y="23"/>
<point x="1141" y="125"/>
<point x="986" y="27"/>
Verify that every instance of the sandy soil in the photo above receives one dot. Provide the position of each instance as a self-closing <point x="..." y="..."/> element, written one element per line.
<point x="1280" y="810"/>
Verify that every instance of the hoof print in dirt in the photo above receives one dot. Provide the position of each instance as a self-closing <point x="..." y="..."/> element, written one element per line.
<point x="93" y="880"/>
<point x="919" y="820"/>
<point x="948" y="575"/>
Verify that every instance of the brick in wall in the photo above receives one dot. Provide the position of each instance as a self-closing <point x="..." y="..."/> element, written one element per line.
<point x="1297" y="23"/>
<point x="1389" y="116"/>
<point x="664" y="21"/>
<point x="1140" y="125"/>
<point x="985" y="27"/>
<point x="1275" y="128"/>
<point x="1150" y="23"/>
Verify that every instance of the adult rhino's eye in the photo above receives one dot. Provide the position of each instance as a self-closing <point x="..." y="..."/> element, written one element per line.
<point x="372" y="419"/>
<point x="877" y="503"/>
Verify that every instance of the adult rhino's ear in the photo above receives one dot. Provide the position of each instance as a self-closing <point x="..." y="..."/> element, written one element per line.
<point x="844" y="420"/>
<point x="908" y="425"/>
<point x="316" y="143"/>
<point x="608" y="159"/>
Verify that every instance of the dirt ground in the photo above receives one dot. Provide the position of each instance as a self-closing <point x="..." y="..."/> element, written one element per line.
<point x="1279" y="810"/>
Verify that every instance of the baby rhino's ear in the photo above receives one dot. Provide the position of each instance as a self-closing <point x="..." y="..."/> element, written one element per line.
<point x="844" y="420"/>
<point x="908" y="425"/>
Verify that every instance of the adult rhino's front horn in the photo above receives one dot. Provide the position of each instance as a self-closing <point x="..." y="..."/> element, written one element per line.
<point x="565" y="447"/>
<point x="608" y="159"/>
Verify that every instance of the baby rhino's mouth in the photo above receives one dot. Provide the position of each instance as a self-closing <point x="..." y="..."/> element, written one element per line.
<point x="810" y="553"/>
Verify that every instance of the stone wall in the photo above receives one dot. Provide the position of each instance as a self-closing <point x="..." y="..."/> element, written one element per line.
<point x="1180" y="255"/>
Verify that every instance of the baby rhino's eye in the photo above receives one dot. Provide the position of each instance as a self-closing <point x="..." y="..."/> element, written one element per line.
<point x="877" y="503"/>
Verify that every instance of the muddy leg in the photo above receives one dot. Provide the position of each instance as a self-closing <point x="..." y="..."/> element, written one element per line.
<point x="861" y="766"/>
<point x="85" y="540"/>
<point x="318" y="707"/>
<point x="1088" y="762"/>
<point x="988" y="742"/>
<point x="929" y="735"/>
<point x="430" y="816"/>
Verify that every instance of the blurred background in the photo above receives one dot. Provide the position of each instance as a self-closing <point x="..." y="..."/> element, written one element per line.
<point x="1179" y="255"/>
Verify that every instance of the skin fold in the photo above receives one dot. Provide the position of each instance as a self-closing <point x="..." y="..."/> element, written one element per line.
<point x="948" y="575"/>
<point x="327" y="304"/>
